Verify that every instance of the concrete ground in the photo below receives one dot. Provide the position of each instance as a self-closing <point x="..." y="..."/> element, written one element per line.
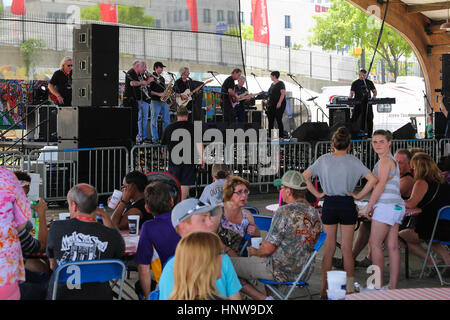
<point x="261" y="200"/>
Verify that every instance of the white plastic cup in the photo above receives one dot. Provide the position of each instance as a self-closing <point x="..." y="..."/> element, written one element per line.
<point x="336" y="294"/>
<point x="256" y="242"/>
<point x="115" y="199"/>
<point x="336" y="279"/>
<point x="133" y="224"/>
<point x="64" y="216"/>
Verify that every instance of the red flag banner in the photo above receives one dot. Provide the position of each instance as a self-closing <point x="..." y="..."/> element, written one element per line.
<point x="18" y="7"/>
<point x="260" y="21"/>
<point x="192" y="7"/>
<point x="108" y="13"/>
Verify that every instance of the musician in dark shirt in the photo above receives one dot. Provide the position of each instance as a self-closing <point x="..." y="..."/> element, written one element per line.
<point x="182" y="84"/>
<point x="276" y="104"/>
<point x="60" y="85"/>
<point x="363" y="113"/>
<point x="239" y="108"/>
<point x="157" y="88"/>
<point x="228" y="94"/>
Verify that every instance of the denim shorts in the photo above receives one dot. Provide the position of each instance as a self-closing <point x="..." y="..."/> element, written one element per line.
<point x="339" y="209"/>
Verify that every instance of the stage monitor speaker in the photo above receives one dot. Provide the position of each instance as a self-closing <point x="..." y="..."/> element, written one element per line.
<point x="338" y="115"/>
<point x="255" y="116"/>
<point x="405" y="132"/>
<point x="312" y="131"/>
<point x="445" y="74"/>
<point x="95" y="75"/>
<point x="351" y="127"/>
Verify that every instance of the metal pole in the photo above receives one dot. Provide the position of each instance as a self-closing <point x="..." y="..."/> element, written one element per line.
<point x="310" y="64"/>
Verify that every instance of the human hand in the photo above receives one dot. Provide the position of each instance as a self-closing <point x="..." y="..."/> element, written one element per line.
<point x="252" y="229"/>
<point x="278" y="105"/>
<point x="127" y="192"/>
<point x="41" y="208"/>
<point x="184" y="97"/>
<point x="252" y="251"/>
<point x="354" y="195"/>
<point x="100" y="212"/>
<point x="60" y="99"/>
<point x="322" y="195"/>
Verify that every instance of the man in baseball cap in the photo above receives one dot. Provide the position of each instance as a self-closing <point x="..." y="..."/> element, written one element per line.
<point x="158" y="64"/>
<point x="291" y="179"/>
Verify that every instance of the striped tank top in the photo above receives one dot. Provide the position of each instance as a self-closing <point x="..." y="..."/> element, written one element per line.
<point x="391" y="193"/>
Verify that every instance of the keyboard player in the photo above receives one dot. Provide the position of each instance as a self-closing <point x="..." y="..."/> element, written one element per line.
<point x="361" y="90"/>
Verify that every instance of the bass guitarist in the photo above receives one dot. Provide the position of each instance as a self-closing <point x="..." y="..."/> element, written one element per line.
<point x="242" y="100"/>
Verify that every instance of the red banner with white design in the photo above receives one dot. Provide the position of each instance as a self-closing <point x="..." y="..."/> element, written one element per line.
<point x="192" y="7"/>
<point x="260" y="21"/>
<point x="108" y="13"/>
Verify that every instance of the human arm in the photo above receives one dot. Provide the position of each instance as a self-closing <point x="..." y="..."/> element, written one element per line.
<point x="107" y="222"/>
<point x="352" y="94"/>
<point x="41" y="209"/>
<point x="383" y="175"/>
<point x="55" y="92"/>
<point x="371" y="182"/>
<point x="308" y="175"/>
<point x="419" y="190"/>
<point x="374" y="93"/>
<point x="145" y="278"/>
<point x="406" y="185"/>
<point x="265" y="250"/>
<point x="252" y="229"/>
<point x="282" y="95"/>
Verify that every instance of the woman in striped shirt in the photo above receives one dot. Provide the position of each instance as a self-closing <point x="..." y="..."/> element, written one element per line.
<point x="386" y="208"/>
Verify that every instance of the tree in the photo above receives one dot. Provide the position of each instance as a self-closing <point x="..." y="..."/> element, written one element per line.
<point x="134" y="16"/>
<point x="355" y="28"/>
<point x="28" y="50"/>
<point x="246" y="32"/>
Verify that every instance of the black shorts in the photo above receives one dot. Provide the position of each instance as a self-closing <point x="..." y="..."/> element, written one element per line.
<point x="185" y="173"/>
<point x="339" y="209"/>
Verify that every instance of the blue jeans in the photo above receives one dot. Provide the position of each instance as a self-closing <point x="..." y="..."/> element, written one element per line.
<point x="162" y="108"/>
<point x="142" y="119"/>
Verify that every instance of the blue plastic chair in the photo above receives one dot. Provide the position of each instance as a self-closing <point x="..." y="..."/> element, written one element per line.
<point x="90" y="271"/>
<point x="154" y="295"/>
<point x="262" y="221"/>
<point x="297" y="283"/>
<point x="443" y="214"/>
<point x="253" y="210"/>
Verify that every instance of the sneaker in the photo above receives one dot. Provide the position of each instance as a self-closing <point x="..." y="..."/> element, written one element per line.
<point x="338" y="263"/>
<point x="364" y="263"/>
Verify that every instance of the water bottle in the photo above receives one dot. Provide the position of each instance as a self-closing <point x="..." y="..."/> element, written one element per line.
<point x="99" y="219"/>
<point x="35" y="219"/>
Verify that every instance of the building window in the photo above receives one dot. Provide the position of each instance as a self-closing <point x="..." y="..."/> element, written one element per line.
<point x="231" y="17"/>
<point x="220" y="16"/>
<point x="287" y="41"/>
<point x="287" y="22"/>
<point x="206" y="15"/>
<point x="241" y="17"/>
<point x="157" y="23"/>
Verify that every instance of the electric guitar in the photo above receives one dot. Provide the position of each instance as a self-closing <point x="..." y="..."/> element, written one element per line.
<point x="183" y="102"/>
<point x="235" y="101"/>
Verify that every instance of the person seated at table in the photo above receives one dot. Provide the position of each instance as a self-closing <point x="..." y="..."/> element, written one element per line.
<point x="82" y="238"/>
<point x="403" y="158"/>
<point x="430" y="193"/>
<point x="132" y="201"/>
<point x="197" y="266"/>
<point x="288" y="245"/>
<point x="213" y="192"/>
<point x="339" y="206"/>
<point x="157" y="235"/>
<point x="193" y="215"/>
<point x="236" y="221"/>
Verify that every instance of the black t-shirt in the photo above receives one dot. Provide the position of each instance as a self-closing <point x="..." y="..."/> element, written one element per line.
<point x="74" y="240"/>
<point x="133" y="92"/>
<point x="275" y="93"/>
<point x="359" y="87"/>
<point x="157" y="86"/>
<point x="240" y="91"/>
<point x="63" y="84"/>
<point x="227" y="84"/>
<point x="187" y="141"/>
<point x="140" y="205"/>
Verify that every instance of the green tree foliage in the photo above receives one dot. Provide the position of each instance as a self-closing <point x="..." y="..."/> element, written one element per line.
<point x="246" y="32"/>
<point x="134" y="16"/>
<point x="28" y="52"/>
<point x="345" y="24"/>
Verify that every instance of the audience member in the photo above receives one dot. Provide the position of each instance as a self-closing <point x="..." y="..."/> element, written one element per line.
<point x="290" y="241"/>
<point x="82" y="238"/>
<point x="403" y="158"/>
<point x="182" y="164"/>
<point x="156" y="235"/>
<point x="339" y="206"/>
<point x="14" y="212"/>
<point x="413" y="151"/>
<point x="132" y="202"/>
<point x="193" y="215"/>
<point x="430" y="193"/>
<point x="197" y="266"/>
<point x="213" y="192"/>
<point x="236" y="221"/>
<point x="386" y="208"/>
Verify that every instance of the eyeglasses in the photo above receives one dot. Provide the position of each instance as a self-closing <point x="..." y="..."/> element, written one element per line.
<point x="246" y="192"/>
<point x="69" y="65"/>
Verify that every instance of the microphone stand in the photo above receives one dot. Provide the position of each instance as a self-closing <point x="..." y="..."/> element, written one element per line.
<point x="212" y="73"/>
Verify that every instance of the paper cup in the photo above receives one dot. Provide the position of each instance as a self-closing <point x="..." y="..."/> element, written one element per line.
<point x="256" y="242"/>
<point x="336" y="294"/>
<point x="336" y="279"/>
<point x="64" y="216"/>
<point x="133" y="224"/>
<point x="115" y="199"/>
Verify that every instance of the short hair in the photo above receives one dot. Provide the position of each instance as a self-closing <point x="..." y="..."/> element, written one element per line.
<point x="413" y="151"/>
<point x="341" y="138"/>
<point x="237" y="70"/>
<point x="157" y="198"/>
<point x="22" y="176"/>
<point x="138" y="178"/>
<point x="405" y="152"/>
<point x="276" y="74"/>
<point x="183" y="70"/>
<point x="241" y="78"/>
<point x="386" y="133"/>
<point x="220" y="170"/>
<point x="64" y="60"/>
<point x="363" y="71"/>
<point x="85" y="196"/>
<point x="182" y="112"/>
<point x="231" y="184"/>
<point x="137" y="63"/>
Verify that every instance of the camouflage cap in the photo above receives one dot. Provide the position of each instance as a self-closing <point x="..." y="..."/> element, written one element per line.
<point x="291" y="179"/>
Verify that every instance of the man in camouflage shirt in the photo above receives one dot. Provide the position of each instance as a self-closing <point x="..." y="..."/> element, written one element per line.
<point x="289" y="243"/>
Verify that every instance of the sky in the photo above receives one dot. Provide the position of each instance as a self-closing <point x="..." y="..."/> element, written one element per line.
<point x="7" y="3"/>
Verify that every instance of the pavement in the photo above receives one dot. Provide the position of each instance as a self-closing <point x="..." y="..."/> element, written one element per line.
<point x="261" y="200"/>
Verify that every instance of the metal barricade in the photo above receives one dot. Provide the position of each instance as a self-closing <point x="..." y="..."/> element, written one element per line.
<point x="443" y="148"/>
<point x="60" y="170"/>
<point x="13" y="160"/>
<point x="430" y="146"/>
<point x="148" y="158"/>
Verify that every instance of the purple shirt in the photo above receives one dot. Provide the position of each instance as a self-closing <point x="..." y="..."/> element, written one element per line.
<point x="158" y="233"/>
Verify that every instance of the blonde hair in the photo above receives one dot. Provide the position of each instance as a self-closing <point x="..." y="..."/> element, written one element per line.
<point x="63" y="61"/>
<point x="196" y="267"/>
<point x="425" y="168"/>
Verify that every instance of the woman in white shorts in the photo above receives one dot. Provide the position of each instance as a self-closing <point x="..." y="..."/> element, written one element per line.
<point x="386" y="208"/>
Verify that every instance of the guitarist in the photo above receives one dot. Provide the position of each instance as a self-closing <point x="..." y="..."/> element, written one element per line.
<point x="60" y="85"/>
<point x="239" y="107"/>
<point x="180" y="86"/>
<point x="228" y="95"/>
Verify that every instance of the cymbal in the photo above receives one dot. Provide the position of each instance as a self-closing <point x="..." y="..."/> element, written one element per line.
<point x="312" y="98"/>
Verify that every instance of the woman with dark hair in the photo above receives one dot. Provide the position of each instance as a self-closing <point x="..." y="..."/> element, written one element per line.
<point x="339" y="173"/>
<point x="132" y="202"/>
<point x="276" y="103"/>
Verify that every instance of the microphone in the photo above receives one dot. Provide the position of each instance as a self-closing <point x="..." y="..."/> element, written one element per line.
<point x="253" y="74"/>
<point x="171" y="73"/>
<point x="212" y="72"/>
<point x="290" y="75"/>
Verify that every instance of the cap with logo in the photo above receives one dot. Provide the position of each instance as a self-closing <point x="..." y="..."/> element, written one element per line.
<point x="189" y="207"/>
<point x="158" y="64"/>
<point x="291" y="179"/>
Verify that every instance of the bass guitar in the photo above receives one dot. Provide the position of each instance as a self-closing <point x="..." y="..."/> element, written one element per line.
<point x="183" y="102"/>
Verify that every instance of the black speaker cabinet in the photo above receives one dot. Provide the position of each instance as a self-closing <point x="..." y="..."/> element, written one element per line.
<point x="405" y="132"/>
<point x="446" y="75"/>
<point x="312" y="131"/>
<point x="95" y="77"/>
<point x="338" y="115"/>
